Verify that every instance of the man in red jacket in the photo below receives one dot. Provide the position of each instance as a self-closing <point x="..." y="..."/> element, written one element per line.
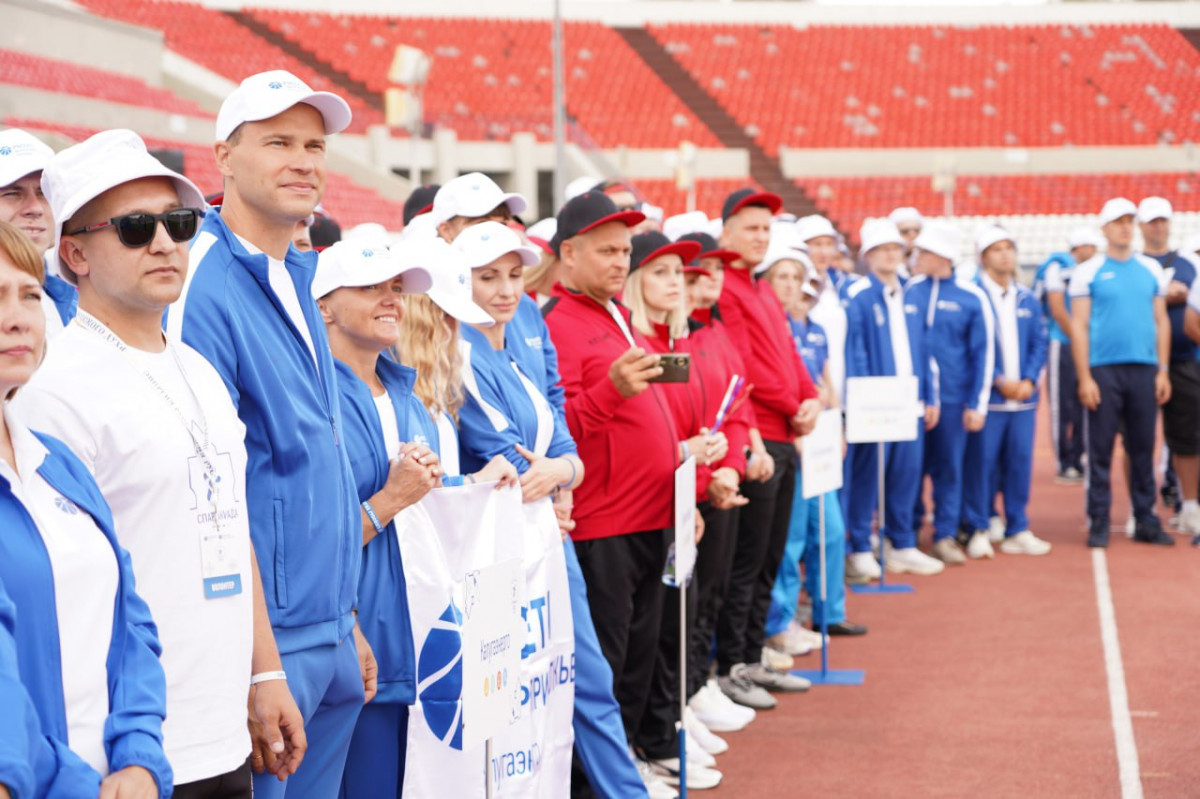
<point x="785" y="405"/>
<point x="627" y="440"/>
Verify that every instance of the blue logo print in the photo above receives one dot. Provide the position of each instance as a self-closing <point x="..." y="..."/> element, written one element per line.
<point x="367" y="253"/>
<point x="275" y="85"/>
<point x="439" y="677"/>
<point x="66" y="506"/>
<point x="462" y="279"/>
<point x="5" y="151"/>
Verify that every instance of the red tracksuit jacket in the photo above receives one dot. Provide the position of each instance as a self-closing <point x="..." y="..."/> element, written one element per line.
<point x="759" y="329"/>
<point x="630" y="447"/>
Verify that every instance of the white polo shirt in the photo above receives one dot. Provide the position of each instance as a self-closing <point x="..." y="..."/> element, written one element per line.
<point x="1005" y="303"/>
<point x="898" y="330"/>
<point x="99" y="401"/>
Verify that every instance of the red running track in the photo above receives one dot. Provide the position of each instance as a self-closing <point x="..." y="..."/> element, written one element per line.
<point x="990" y="680"/>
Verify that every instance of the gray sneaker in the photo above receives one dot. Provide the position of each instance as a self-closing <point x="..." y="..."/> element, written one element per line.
<point x="739" y="688"/>
<point x="774" y="680"/>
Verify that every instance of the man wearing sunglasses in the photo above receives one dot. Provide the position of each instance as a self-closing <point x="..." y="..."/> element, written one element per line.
<point x="248" y="309"/>
<point x="470" y="199"/>
<point x="153" y="423"/>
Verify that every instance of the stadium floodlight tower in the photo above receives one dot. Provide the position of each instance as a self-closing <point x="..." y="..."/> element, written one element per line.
<point x="404" y="103"/>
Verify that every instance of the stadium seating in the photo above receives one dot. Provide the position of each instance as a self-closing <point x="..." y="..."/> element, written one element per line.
<point x="710" y="194"/>
<point x="23" y="69"/>
<point x="492" y="77"/>
<point x="215" y="40"/>
<point x="942" y="86"/>
<point x="346" y="201"/>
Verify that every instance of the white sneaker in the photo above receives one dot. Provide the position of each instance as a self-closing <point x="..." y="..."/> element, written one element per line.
<point x="996" y="529"/>
<point x="704" y="737"/>
<point x="875" y="545"/>
<point x="911" y="560"/>
<point x="862" y="567"/>
<point x="716" y="712"/>
<point x="1189" y="521"/>
<point x="790" y="642"/>
<point x="773" y="658"/>
<point x="810" y="637"/>
<point x="1025" y="543"/>
<point x="980" y="546"/>
<point x="699" y="778"/>
<point x="697" y="755"/>
<point x="656" y="787"/>
<point x="1130" y="526"/>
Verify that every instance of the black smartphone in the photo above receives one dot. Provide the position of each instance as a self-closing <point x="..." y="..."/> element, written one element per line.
<point x="676" y="366"/>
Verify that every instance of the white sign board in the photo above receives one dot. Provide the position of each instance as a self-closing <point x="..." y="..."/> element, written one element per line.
<point x="685" y="521"/>
<point x="881" y="409"/>
<point x="492" y="636"/>
<point x="821" y="456"/>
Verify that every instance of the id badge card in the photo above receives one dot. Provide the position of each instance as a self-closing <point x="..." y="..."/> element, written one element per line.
<point x="218" y="565"/>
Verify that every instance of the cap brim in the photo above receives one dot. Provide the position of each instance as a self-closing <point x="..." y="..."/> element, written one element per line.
<point x="334" y="110"/>
<point x="771" y="200"/>
<point x="699" y="270"/>
<point x="726" y="256"/>
<point x="466" y="312"/>
<point x="627" y="218"/>
<point x="687" y="250"/>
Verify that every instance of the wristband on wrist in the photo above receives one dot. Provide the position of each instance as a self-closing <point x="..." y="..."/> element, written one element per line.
<point x="574" y="473"/>
<point x="268" y="676"/>
<point x="367" y="509"/>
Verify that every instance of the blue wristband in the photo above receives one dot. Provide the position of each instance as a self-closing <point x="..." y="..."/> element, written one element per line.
<point x="574" y="473"/>
<point x="366" y="506"/>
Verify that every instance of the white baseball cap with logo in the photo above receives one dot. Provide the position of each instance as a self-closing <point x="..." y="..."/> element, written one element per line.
<point x="1152" y="208"/>
<point x="451" y="288"/>
<point x="269" y="94"/>
<point x="357" y="264"/>
<point x="941" y="238"/>
<point x="480" y="245"/>
<point x="814" y="226"/>
<point x="84" y="171"/>
<point x="21" y="154"/>
<point x="472" y="195"/>
<point x="878" y="232"/>
<point x="1116" y="208"/>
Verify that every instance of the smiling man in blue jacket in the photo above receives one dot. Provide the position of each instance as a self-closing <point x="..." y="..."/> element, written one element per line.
<point x="247" y="307"/>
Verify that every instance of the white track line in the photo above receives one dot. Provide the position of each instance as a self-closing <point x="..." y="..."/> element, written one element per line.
<point x="1118" y="696"/>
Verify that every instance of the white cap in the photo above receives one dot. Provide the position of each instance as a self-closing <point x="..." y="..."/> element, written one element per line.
<point x="21" y="154"/>
<point x="473" y="195"/>
<point x="807" y="288"/>
<point x="1116" y="208"/>
<point x="784" y="234"/>
<point x="371" y="234"/>
<point x="682" y="224"/>
<point x="84" y="171"/>
<point x="1190" y="245"/>
<point x="1152" y="208"/>
<point x="356" y="263"/>
<point x="940" y="238"/>
<point x="269" y="94"/>
<point x="715" y="227"/>
<point x="906" y="213"/>
<point x="777" y="253"/>
<point x="451" y="288"/>
<point x="543" y="229"/>
<point x="420" y="228"/>
<point x="580" y="186"/>
<point x="878" y="232"/>
<point x="1083" y="236"/>
<point x="481" y="244"/>
<point x="652" y="212"/>
<point x="990" y="234"/>
<point x="814" y="226"/>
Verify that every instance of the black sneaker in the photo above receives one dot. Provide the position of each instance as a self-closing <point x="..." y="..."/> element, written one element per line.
<point x="1098" y="534"/>
<point x="1152" y="533"/>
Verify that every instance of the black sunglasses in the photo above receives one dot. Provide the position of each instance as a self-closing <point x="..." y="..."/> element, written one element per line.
<point x="137" y="230"/>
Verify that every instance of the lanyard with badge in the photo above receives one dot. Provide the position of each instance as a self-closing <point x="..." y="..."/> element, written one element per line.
<point x="218" y="562"/>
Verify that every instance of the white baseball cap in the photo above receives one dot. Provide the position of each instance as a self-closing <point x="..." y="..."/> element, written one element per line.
<point x="421" y="228"/>
<point x="542" y="232"/>
<point x="481" y="244"/>
<point x="1116" y="208"/>
<point x="84" y="171"/>
<point x="473" y="195"/>
<point x="814" y="226"/>
<point x="371" y="234"/>
<point x="1084" y="236"/>
<point x="1152" y="208"/>
<point x="451" y="288"/>
<point x="784" y="234"/>
<point x="906" y="213"/>
<point x="652" y="212"/>
<point x="21" y="154"/>
<point x="991" y="234"/>
<point x="777" y="253"/>
<point x="580" y="186"/>
<point x="682" y="224"/>
<point x="356" y="263"/>
<point x="878" y="232"/>
<point x="269" y="94"/>
<point x="940" y="238"/>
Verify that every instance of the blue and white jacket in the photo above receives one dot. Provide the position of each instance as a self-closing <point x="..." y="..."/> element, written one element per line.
<point x="382" y="590"/>
<point x="304" y="520"/>
<point x="137" y="689"/>
<point x="813" y="346"/>
<point x="960" y="323"/>
<point x="1054" y="275"/>
<point x="64" y="296"/>
<point x="527" y="340"/>
<point x="869" y="339"/>
<point x="1032" y="343"/>
<point x="20" y="734"/>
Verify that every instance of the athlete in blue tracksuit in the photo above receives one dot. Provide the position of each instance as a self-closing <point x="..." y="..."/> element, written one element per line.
<point x="300" y="491"/>
<point x="136" y="685"/>
<point x="1066" y="414"/>
<point x="600" y="742"/>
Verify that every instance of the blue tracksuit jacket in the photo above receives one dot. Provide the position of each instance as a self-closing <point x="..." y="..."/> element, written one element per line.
<point x="960" y="323"/>
<point x="304" y="520"/>
<point x="869" y="342"/>
<point x="1033" y="341"/>
<point x="136" y="685"/>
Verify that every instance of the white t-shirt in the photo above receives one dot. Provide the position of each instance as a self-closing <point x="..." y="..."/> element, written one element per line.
<point x="387" y="420"/>
<point x="85" y="590"/>
<point x="285" y="289"/>
<point x="97" y="400"/>
<point x="898" y="330"/>
<point x="447" y="444"/>
<point x="1005" y="302"/>
<point x="54" y="324"/>
<point x="830" y="315"/>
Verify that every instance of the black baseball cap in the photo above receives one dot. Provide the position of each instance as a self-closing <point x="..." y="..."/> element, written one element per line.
<point x="420" y="201"/>
<point x="651" y="244"/>
<point x="325" y="232"/>
<point x="586" y="212"/>
<point x="709" y="248"/>
<point x="749" y="197"/>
